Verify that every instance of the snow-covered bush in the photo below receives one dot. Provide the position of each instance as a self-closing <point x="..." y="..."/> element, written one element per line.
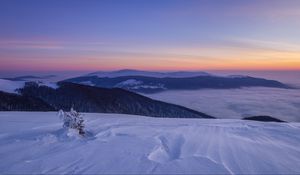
<point x="72" y="120"/>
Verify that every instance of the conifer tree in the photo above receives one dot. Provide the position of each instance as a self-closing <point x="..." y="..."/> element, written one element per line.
<point x="73" y="120"/>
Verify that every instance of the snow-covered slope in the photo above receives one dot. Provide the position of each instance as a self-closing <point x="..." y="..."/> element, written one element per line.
<point x="34" y="142"/>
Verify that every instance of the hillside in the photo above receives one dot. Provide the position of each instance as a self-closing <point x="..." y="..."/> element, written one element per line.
<point x="91" y="99"/>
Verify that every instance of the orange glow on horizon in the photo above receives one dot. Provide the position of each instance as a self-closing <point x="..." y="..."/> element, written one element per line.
<point x="226" y="59"/>
<point x="160" y="65"/>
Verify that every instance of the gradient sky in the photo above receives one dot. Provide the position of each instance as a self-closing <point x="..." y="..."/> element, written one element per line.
<point x="59" y="35"/>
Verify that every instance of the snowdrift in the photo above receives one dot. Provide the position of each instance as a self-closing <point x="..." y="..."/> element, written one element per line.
<point x="33" y="142"/>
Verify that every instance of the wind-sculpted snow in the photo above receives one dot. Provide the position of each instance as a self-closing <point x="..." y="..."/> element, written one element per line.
<point x="35" y="143"/>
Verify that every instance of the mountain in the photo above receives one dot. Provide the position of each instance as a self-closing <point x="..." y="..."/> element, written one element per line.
<point x="14" y="102"/>
<point x="131" y="72"/>
<point x="263" y="119"/>
<point x="93" y="99"/>
<point x="30" y="78"/>
<point x="12" y="85"/>
<point x="154" y="84"/>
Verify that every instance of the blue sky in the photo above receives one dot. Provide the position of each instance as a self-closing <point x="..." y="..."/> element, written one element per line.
<point x="149" y="34"/>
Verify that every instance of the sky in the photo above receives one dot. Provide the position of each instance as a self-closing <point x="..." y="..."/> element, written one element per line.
<point x="79" y="35"/>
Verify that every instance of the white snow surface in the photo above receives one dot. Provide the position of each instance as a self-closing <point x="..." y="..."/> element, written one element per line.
<point x="10" y="86"/>
<point x="129" y="82"/>
<point x="48" y="84"/>
<point x="35" y="143"/>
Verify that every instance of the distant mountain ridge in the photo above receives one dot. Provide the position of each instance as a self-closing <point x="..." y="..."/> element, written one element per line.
<point x="152" y="82"/>
<point x="30" y="78"/>
<point x="157" y="84"/>
<point x="132" y="72"/>
<point x="35" y="97"/>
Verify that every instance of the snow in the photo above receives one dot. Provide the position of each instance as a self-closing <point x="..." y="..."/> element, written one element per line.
<point x="35" y="143"/>
<point x="136" y="84"/>
<point x="48" y="84"/>
<point x="10" y="86"/>
<point x="89" y="83"/>
<point x="129" y="82"/>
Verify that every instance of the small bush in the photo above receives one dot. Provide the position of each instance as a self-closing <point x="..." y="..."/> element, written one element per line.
<point x="73" y="120"/>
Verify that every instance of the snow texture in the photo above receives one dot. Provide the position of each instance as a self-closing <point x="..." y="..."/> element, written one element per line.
<point x="34" y="143"/>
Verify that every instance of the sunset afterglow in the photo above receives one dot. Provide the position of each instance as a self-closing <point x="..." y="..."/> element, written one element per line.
<point x="149" y="35"/>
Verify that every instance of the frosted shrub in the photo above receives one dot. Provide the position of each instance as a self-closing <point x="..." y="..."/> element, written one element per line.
<point x="73" y="120"/>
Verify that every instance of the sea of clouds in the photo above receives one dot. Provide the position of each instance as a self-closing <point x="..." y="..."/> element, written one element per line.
<point x="238" y="103"/>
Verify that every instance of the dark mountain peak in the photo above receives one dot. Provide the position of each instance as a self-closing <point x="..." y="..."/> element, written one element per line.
<point x="263" y="119"/>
